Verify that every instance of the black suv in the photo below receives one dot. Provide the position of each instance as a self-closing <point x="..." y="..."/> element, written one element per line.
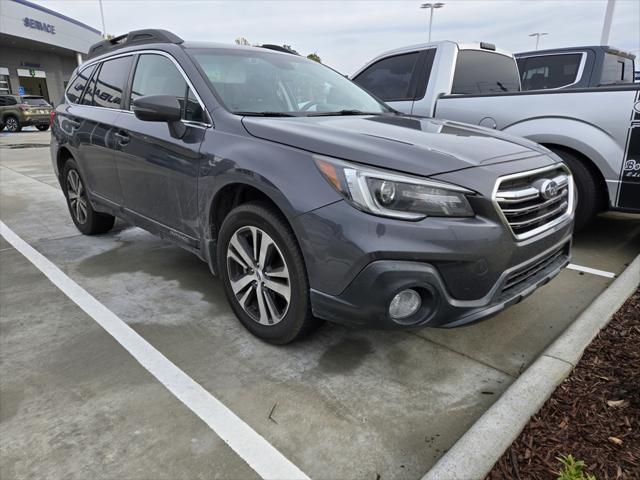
<point x="308" y="196"/>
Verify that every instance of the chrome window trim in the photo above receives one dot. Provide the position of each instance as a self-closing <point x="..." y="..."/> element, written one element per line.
<point x="543" y="228"/>
<point x="579" y="73"/>
<point x="153" y="52"/>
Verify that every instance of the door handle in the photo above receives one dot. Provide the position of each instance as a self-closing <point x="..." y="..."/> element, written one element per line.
<point x="123" y="137"/>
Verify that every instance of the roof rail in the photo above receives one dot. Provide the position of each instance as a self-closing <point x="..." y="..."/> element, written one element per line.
<point x="136" y="37"/>
<point x="279" y="48"/>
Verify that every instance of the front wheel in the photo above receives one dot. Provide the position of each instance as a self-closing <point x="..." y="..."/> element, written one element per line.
<point x="85" y="218"/>
<point x="263" y="274"/>
<point x="42" y="128"/>
<point x="12" y="124"/>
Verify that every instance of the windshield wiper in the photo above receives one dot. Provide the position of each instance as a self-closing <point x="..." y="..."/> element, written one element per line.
<point x="342" y="112"/>
<point x="265" y="114"/>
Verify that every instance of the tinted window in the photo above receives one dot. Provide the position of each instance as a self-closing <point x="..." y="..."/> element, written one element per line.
<point x="110" y="83"/>
<point x="7" y="100"/>
<point x="484" y="72"/>
<point x="616" y="70"/>
<point x="74" y="92"/>
<point x="549" y="71"/>
<point x="390" y="78"/>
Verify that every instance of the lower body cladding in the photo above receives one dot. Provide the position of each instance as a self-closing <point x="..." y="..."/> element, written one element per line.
<point x="448" y="273"/>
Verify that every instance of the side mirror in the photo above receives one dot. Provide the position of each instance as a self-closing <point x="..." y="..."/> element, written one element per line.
<point x="160" y="108"/>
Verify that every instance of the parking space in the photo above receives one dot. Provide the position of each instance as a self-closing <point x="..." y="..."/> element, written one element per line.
<point x="341" y="404"/>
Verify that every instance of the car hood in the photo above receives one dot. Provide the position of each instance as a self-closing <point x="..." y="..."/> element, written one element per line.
<point x="421" y="146"/>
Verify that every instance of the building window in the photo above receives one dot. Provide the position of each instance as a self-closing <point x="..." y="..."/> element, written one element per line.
<point x="5" y="86"/>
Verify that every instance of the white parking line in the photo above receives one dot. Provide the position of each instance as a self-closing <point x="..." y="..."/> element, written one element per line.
<point x="593" y="271"/>
<point x="259" y="454"/>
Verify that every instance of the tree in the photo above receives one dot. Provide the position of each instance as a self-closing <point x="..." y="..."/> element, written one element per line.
<point x="242" y="41"/>
<point x="315" y="57"/>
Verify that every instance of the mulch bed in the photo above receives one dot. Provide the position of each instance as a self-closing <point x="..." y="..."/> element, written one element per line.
<point x="593" y="415"/>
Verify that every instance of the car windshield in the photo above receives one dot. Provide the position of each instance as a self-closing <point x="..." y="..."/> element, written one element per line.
<point x="35" y="101"/>
<point x="254" y="82"/>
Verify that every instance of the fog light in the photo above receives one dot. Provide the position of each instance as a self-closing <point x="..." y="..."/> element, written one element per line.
<point x="404" y="304"/>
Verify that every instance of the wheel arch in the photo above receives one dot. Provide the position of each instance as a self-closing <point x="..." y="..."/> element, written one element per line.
<point x="591" y="166"/>
<point x="229" y="196"/>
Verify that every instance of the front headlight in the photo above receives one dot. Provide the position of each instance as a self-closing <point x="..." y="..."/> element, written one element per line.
<point x="389" y="194"/>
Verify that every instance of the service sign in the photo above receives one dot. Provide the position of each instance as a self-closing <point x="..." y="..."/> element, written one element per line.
<point x="38" y="25"/>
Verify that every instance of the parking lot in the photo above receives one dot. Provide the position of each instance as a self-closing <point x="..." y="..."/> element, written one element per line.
<point x="344" y="403"/>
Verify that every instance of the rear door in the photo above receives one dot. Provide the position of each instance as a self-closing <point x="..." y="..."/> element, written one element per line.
<point x="159" y="172"/>
<point x="90" y="125"/>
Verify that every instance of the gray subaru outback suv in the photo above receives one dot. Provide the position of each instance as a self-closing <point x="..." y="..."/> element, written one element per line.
<point x="307" y="196"/>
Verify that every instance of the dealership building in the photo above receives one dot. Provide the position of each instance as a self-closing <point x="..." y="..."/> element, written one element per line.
<point x="39" y="49"/>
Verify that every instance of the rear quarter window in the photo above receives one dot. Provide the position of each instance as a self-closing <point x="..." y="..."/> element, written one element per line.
<point x="479" y="71"/>
<point x="616" y="69"/>
<point x="107" y="91"/>
<point x="74" y="92"/>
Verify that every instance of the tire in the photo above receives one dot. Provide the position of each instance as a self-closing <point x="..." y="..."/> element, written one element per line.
<point x="42" y="128"/>
<point x="85" y="218"/>
<point x="276" y="318"/>
<point x="1" y="127"/>
<point x="590" y="197"/>
<point x="12" y="124"/>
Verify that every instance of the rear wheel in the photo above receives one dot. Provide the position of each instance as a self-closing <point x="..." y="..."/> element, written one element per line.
<point x="590" y="197"/>
<point x="85" y="218"/>
<point x="263" y="273"/>
<point x="12" y="124"/>
<point x="42" y="128"/>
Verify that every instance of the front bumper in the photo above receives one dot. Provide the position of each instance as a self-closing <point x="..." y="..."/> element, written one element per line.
<point x="365" y="301"/>
<point x="32" y="120"/>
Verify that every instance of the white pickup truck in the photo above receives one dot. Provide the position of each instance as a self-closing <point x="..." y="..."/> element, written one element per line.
<point x="596" y="131"/>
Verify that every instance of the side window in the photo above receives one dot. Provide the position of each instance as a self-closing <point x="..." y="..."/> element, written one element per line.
<point x="3" y="101"/>
<point x="157" y="75"/>
<point x="389" y="79"/>
<point x="549" y="71"/>
<point x="74" y="92"/>
<point x="107" y="89"/>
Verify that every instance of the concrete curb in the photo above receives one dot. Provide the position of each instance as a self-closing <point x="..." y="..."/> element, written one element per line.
<point x="475" y="453"/>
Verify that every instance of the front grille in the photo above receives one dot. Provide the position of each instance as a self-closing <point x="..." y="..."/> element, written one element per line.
<point x="534" y="201"/>
<point x="522" y="274"/>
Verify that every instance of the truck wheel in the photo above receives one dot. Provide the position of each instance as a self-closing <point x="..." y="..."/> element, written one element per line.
<point x="42" y="128"/>
<point x="264" y="275"/>
<point x="590" y="197"/>
<point x="85" y="218"/>
<point x="12" y="124"/>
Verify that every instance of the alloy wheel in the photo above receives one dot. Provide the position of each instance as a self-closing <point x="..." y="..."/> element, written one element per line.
<point x="12" y="124"/>
<point x="77" y="196"/>
<point x="259" y="275"/>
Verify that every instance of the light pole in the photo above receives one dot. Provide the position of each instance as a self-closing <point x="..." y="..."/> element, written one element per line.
<point x="431" y="6"/>
<point x="538" y="35"/>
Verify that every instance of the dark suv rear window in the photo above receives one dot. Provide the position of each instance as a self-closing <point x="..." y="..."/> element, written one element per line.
<point x="478" y="71"/>
<point x="110" y="83"/>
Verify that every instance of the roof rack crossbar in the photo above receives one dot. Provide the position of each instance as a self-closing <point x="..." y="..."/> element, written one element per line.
<point x="136" y="37"/>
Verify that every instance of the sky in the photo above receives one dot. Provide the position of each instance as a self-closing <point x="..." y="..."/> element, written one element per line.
<point x="347" y="34"/>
